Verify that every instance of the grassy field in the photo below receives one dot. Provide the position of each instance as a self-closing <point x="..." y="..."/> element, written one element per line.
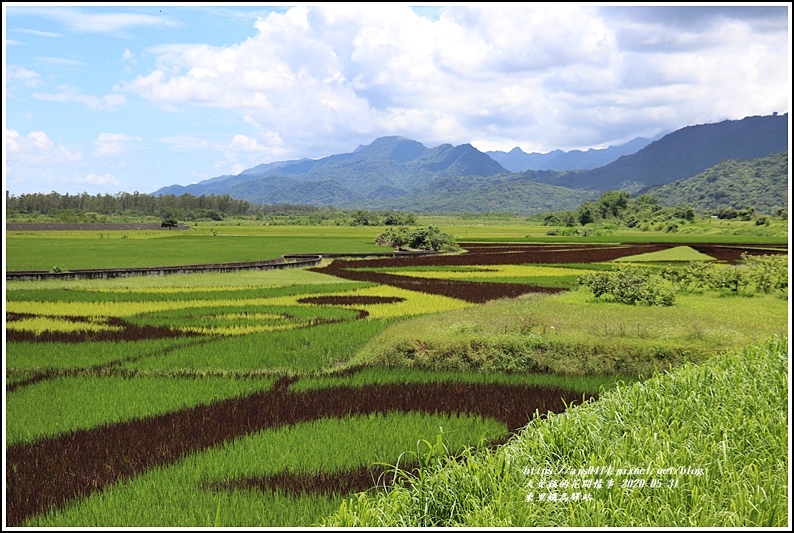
<point x="118" y="249"/>
<point x="231" y="241"/>
<point x="270" y="398"/>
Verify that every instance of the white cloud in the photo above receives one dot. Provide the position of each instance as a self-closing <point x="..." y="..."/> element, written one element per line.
<point x="36" y="149"/>
<point x="112" y="144"/>
<point x="95" y="179"/>
<point x="113" y="23"/>
<point x="245" y="152"/>
<point x="241" y="143"/>
<point x="186" y="143"/>
<point x="67" y="93"/>
<point x="323" y="79"/>
<point x="27" y="77"/>
<point x="327" y="78"/>
<point x="63" y="62"/>
<point x="39" y="33"/>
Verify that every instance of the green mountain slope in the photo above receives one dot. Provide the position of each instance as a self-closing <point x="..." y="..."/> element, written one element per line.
<point x="686" y="153"/>
<point x="761" y="183"/>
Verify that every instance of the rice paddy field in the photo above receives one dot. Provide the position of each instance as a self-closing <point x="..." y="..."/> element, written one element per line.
<point x="301" y="397"/>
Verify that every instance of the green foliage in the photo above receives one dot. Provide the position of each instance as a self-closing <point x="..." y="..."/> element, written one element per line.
<point x="694" y="275"/>
<point x="629" y="285"/>
<point x="757" y="274"/>
<point x="733" y="189"/>
<point x="169" y="222"/>
<point x="427" y="238"/>
<point x="768" y="273"/>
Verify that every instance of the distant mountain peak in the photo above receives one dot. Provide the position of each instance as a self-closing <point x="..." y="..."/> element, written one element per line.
<point x="516" y="160"/>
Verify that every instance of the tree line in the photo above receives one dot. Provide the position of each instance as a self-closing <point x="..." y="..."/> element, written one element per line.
<point x="82" y="208"/>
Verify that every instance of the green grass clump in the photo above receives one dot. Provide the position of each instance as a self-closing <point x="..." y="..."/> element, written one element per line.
<point x="714" y="436"/>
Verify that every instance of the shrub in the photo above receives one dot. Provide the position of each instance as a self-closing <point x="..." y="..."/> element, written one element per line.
<point x="429" y="238"/>
<point x="629" y="285"/>
<point x="767" y="272"/>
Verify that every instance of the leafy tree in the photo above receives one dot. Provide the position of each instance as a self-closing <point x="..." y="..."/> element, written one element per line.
<point x="429" y="238"/>
<point x="365" y="218"/>
<point x="613" y="203"/>
<point x="169" y="222"/>
<point x="588" y="212"/>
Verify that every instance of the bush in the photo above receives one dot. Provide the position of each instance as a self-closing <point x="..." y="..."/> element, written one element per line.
<point x="767" y="273"/>
<point x="429" y="238"/>
<point x="629" y="285"/>
<point x="758" y="273"/>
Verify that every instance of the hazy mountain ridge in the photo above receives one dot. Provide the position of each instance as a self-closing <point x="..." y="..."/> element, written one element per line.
<point x="516" y="160"/>
<point x="398" y="173"/>
<point x="685" y="153"/>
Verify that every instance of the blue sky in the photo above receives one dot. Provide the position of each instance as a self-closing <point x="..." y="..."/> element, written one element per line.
<point x="134" y="97"/>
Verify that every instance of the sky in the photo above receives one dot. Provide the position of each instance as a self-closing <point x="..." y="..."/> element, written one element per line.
<point x="113" y="97"/>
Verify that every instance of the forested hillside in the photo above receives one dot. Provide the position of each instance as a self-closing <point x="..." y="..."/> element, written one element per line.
<point x="685" y="153"/>
<point x="760" y="183"/>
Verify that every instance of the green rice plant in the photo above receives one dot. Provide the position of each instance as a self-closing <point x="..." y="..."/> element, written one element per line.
<point x="39" y="324"/>
<point x="225" y="320"/>
<point x="80" y="251"/>
<point x="703" y="446"/>
<point x="386" y="376"/>
<point x="474" y="272"/>
<point x="411" y="303"/>
<point x="187" y="494"/>
<point x="541" y="275"/>
<point x="66" y="404"/>
<point x="296" y="350"/>
<point x="191" y="282"/>
<point x="160" y="294"/>
<point x="64" y="355"/>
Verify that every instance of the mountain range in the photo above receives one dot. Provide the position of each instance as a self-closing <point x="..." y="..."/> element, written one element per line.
<point x="402" y="174"/>
<point x="516" y="160"/>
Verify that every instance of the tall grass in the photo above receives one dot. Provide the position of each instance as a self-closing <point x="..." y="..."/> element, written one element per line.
<point x="572" y="333"/>
<point x="713" y="436"/>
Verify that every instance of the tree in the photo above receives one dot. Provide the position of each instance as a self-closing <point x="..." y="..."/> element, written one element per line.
<point x="612" y="203"/>
<point x="169" y="222"/>
<point x="429" y="238"/>
<point x="587" y="213"/>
